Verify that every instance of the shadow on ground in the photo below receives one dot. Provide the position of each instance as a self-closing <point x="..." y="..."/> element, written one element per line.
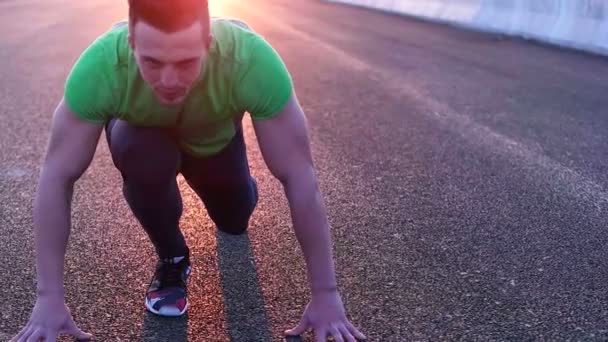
<point x="245" y="309"/>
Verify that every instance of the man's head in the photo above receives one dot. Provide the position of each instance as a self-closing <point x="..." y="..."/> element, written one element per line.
<point x="170" y="41"/>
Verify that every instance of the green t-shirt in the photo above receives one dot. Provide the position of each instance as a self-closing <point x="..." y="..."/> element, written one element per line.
<point x="242" y="73"/>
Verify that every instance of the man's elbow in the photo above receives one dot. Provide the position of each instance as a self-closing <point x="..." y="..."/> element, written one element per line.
<point x="297" y="176"/>
<point x="66" y="175"/>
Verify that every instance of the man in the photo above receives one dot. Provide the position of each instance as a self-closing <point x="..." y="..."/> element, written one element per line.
<point x="170" y="88"/>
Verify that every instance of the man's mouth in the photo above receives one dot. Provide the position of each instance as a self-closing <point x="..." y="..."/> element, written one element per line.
<point x="170" y="93"/>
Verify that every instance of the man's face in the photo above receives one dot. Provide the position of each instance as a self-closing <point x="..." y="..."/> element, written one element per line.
<point x="170" y="62"/>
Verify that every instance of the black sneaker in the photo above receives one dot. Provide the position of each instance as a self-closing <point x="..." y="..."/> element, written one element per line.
<point x="167" y="293"/>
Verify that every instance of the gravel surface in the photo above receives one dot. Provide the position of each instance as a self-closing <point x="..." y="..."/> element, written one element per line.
<point x="465" y="177"/>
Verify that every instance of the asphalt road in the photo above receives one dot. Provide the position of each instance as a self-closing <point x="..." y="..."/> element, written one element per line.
<point x="465" y="176"/>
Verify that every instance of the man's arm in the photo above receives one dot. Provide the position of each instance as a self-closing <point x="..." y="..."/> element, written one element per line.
<point x="266" y="91"/>
<point x="286" y="150"/>
<point x="70" y="150"/>
<point x="285" y="147"/>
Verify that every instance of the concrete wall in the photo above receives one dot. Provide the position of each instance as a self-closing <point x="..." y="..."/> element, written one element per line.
<point x="581" y="24"/>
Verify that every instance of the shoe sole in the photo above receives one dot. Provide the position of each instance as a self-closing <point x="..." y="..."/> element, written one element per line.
<point x="177" y="314"/>
<point x="165" y="314"/>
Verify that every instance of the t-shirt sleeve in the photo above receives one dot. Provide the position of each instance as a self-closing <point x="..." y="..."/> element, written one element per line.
<point x="266" y="85"/>
<point x="88" y="90"/>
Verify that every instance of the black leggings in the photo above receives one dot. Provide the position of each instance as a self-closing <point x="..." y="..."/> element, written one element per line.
<point x="150" y="160"/>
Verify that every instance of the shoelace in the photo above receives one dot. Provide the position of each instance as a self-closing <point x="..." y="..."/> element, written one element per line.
<point x="171" y="274"/>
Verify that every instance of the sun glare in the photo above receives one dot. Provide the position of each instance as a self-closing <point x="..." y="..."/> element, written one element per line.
<point x="218" y="8"/>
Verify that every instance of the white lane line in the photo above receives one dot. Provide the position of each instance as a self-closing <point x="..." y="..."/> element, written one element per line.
<point x="13" y="173"/>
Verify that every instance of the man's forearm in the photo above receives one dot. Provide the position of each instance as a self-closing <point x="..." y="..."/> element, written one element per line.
<point x="312" y="229"/>
<point x="52" y="229"/>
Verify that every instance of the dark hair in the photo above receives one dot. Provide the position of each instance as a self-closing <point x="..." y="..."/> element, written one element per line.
<point x="169" y="15"/>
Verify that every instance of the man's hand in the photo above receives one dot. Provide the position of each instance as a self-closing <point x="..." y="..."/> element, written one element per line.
<point x="49" y="318"/>
<point x="325" y="315"/>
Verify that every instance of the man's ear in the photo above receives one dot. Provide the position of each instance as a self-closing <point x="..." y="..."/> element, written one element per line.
<point x="130" y="38"/>
<point x="208" y="41"/>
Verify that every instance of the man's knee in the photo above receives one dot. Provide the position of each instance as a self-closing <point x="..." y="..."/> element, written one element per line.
<point x="233" y="219"/>
<point x="234" y="229"/>
<point x="146" y="154"/>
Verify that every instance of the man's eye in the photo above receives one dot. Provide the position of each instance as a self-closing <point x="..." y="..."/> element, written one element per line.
<point x="187" y="63"/>
<point x="153" y="64"/>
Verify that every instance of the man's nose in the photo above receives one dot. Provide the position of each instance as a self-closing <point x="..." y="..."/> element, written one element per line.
<point x="168" y="77"/>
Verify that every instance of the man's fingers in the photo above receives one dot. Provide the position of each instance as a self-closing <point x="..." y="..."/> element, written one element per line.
<point x="320" y="335"/>
<point x="355" y="331"/>
<point x="37" y="335"/>
<point x="300" y="329"/>
<point x="75" y="331"/>
<point x="347" y="334"/>
<point x="51" y="337"/>
<point x="335" y="332"/>
<point x="21" y="334"/>
<point x="25" y="333"/>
